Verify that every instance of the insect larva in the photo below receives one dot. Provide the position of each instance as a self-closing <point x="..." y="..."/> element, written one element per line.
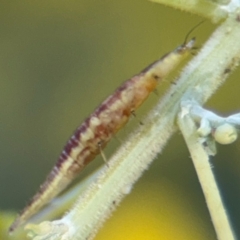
<point x="99" y="128"/>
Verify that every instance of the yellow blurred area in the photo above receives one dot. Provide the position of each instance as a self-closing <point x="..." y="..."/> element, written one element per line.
<point x="58" y="61"/>
<point x="6" y="219"/>
<point x="160" y="213"/>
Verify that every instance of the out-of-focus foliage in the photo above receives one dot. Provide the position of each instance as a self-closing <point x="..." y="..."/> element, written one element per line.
<point x="58" y="61"/>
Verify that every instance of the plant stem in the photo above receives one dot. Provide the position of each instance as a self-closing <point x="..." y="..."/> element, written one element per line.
<point x="206" y="178"/>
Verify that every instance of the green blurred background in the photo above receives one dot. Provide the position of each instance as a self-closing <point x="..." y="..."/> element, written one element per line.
<point x="58" y="61"/>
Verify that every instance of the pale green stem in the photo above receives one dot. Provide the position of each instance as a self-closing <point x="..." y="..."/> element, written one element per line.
<point x="200" y="79"/>
<point x="204" y="8"/>
<point x="206" y="178"/>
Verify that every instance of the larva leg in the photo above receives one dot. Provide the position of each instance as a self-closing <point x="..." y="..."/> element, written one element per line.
<point x="102" y="153"/>
<point x="155" y="91"/>
<point x="135" y="116"/>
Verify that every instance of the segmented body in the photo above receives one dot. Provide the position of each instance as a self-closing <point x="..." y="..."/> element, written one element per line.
<point x="99" y="128"/>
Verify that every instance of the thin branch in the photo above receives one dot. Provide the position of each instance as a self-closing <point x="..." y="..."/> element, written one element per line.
<point x="206" y="178"/>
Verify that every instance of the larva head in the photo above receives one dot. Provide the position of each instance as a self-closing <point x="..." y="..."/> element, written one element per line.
<point x="168" y="62"/>
<point x="186" y="47"/>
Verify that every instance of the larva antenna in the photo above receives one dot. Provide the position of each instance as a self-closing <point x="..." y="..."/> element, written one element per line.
<point x="191" y="30"/>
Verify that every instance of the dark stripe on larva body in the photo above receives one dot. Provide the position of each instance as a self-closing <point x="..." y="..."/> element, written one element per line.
<point x="99" y="128"/>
